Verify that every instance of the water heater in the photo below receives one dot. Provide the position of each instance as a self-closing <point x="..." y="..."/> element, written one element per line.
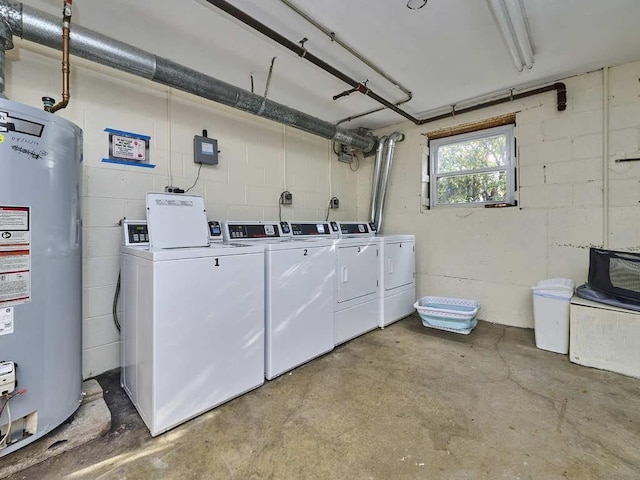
<point x="40" y="273"/>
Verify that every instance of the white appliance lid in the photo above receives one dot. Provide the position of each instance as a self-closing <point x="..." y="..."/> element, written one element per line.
<point x="215" y="250"/>
<point x="176" y="221"/>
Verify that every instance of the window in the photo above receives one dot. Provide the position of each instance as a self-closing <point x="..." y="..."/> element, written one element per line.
<point x="476" y="168"/>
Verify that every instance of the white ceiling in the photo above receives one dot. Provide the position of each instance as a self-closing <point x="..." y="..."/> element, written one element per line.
<point x="445" y="53"/>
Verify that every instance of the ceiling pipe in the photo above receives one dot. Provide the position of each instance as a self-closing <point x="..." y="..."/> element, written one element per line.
<point x="302" y="52"/>
<point x="384" y="181"/>
<point x="39" y="27"/>
<point x="375" y="185"/>
<point x="561" y="101"/>
<point x="6" y="43"/>
<point x="356" y="54"/>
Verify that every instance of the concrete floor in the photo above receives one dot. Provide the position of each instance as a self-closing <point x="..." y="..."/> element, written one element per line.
<point x="399" y="403"/>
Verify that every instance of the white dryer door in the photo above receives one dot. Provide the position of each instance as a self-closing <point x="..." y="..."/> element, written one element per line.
<point x="399" y="264"/>
<point x="357" y="271"/>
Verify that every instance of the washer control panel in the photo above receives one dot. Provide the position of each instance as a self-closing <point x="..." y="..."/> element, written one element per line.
<point x="233" y="231"/>
<point x="355" y="229"/>
<point x="135" y="233"/>
<point x="311" y="229"/>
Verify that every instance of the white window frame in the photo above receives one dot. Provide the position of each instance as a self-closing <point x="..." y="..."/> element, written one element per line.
<point x="509" y="168"/>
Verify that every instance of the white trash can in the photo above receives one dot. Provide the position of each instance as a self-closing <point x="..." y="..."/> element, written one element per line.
<point x="551" y="299"/>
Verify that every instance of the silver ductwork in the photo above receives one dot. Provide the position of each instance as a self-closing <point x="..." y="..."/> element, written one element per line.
<point x="377" y="169"/>
<point x="39" y="27"/>
<point x="2" y="61"/>
<point x="382" y="170"/>
<point x="6" y="43"/>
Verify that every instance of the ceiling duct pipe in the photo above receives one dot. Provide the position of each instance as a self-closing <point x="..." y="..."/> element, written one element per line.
<point x="6" y="43"/>
<point x="384" y="180"/>
<point x="39" y="27"/>
<point x="375" y="186"/>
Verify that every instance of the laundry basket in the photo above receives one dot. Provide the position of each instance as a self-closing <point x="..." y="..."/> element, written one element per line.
<point x="447" y="313"/>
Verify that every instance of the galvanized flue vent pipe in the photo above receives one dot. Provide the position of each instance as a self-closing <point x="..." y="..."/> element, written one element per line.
<point x="384" y="179"/>
<point x="6" y="43"/>
<point x="39" y="27"/>
<point x="377" y="173"/>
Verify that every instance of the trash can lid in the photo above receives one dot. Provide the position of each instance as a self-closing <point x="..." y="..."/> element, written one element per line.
<point x="556" y="294"/>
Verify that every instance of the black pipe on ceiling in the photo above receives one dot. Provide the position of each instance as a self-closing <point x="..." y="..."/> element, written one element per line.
<point x="561" y="102"/>
<point x="299" y="49"/>
<point x="302" y="52"/>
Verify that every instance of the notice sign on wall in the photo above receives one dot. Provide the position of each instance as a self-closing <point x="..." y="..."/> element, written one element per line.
<point x="15" y="255"/>
<point x="128" y="148"/>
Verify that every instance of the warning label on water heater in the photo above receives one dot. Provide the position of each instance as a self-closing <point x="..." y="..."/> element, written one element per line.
<point x="15" y="255"/>
<point x="6" y="320"/>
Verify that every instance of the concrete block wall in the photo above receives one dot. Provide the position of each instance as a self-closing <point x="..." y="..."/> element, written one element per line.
<point x="258" y="160"/>
<point x="495" y="255"/>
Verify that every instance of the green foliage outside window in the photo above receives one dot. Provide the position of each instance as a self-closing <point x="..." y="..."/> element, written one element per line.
<point x="477" y="154"/>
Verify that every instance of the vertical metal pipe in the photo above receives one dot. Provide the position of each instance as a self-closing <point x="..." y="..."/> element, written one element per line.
<point x="6" y="43"/>
<point x="2" y="64"/>
<point x="391" y="145"/>
<point x="66" y="28"/>
<point x="605" y="157"/>
<point x="375" y="186"/>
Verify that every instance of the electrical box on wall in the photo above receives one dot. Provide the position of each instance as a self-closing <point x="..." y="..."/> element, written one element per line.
<point x="286" y="198"/>
<point x="205" y="150"/>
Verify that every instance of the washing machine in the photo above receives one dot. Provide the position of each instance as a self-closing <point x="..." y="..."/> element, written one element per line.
<point x="298" y="292"/>
<point x="192" y="314"/>
<point x="397" y="263"/>
<point x="356" y="306"/>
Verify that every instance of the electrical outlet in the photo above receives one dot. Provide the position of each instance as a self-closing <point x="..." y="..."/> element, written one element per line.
<point x="286" y="198"/>
<point x="334" y="203"/>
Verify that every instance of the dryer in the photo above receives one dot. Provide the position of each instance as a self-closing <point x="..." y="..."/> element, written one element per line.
<point x="357" y="287"/>
<point x="298" y="292"/>
<point x="192" y="329"/>
<point x="397" y="263"/>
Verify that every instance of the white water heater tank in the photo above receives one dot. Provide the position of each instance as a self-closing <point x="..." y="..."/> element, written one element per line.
<point x="40" y="271"/>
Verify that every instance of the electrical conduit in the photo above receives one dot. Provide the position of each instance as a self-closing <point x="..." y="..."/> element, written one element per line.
<point x="605" y="157"/>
